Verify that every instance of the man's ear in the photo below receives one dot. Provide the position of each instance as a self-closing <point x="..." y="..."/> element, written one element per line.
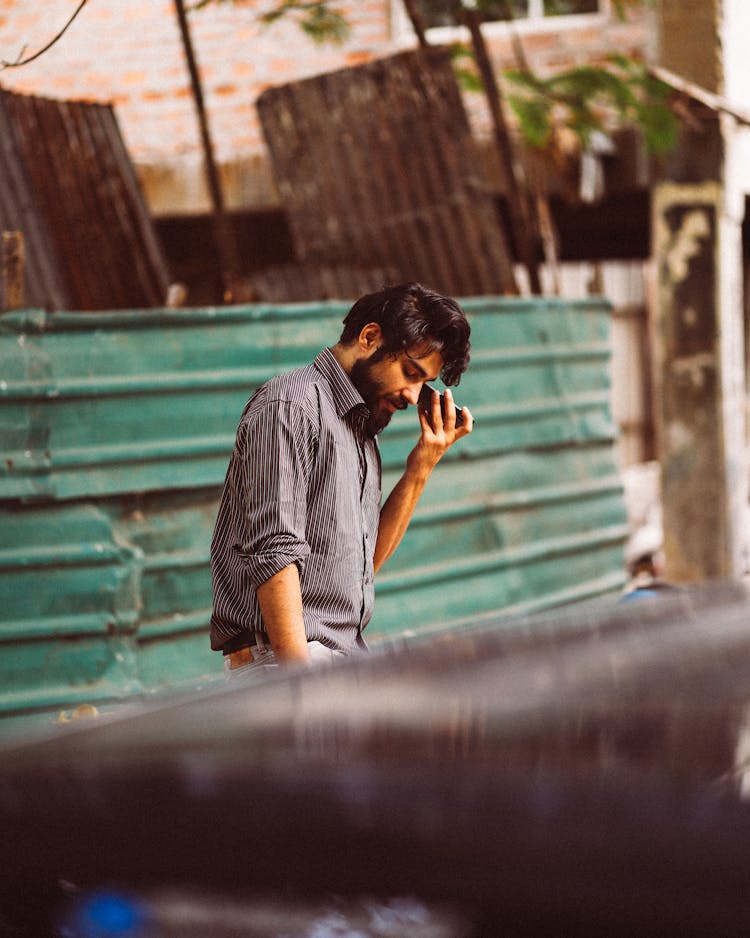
<point x="370" y="338"/>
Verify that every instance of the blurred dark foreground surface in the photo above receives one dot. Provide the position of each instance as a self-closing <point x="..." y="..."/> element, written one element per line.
<point x="583" y="772"/>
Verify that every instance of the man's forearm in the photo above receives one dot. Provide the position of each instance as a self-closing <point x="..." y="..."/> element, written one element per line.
<point x="436" y="438"/>
<point x="397" y="511"/>
<point x="280" y="601"/>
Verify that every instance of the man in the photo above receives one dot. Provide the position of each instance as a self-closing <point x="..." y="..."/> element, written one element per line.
<point x="300" y="532"/>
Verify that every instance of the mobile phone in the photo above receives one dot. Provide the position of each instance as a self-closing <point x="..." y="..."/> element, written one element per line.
<point x="425" y="404"/>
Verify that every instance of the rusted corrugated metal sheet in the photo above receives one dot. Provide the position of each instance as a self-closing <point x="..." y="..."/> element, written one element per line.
<point x="19" y="210"/>
<point x="67" y="183"/>
<point x="376" y="167"/>
<point x="291" y="283"/>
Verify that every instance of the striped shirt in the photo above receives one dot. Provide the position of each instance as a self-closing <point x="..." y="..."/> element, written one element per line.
<point x="303" y="486"/>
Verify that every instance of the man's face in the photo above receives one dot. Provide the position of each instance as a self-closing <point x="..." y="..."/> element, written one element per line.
<point x="389" y="384"/>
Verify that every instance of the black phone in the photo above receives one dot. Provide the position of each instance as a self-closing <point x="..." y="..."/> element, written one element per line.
<point x="425" y="404"/>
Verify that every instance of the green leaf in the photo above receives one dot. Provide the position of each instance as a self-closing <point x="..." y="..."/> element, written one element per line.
<point x="467" y="76"/>
<point x="661" y="128"/>
<point x="524" y="79"/>
<point x="590" y="97"/>
<point x="319" y="19"/>
<point x="468" y="79"/>
<point x="323" y="24"/>
<point x="534" y="118"/>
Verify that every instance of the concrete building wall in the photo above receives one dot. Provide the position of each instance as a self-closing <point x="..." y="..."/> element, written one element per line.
<point x="129" y="52"/>
<point x="697" y="242"/>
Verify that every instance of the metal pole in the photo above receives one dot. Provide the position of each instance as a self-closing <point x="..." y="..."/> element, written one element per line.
<point x="226" y="248"/>
<point x="524" y="222"/>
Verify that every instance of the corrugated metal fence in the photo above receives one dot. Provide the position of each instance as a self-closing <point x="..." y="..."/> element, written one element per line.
<point x="115" y="432"/>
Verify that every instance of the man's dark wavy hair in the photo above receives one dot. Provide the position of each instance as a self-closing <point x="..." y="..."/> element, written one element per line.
<point x="410" y="315"/>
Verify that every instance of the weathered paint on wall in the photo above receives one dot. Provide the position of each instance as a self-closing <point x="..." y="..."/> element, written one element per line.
<point x="115" y="432"/>
<point x="701" y="400"/>
<point x="697" y="221"/>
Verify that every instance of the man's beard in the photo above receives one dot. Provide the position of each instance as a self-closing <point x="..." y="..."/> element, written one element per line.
<point x="372" y="394"/>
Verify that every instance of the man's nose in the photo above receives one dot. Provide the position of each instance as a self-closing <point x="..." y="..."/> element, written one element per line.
<point x="411" y="393"/>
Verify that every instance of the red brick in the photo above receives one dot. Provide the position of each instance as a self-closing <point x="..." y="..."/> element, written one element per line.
<point x="224" y="90"/>
<point x="133" y="78"/>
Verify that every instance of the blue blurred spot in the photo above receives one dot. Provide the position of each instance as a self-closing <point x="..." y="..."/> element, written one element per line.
<point x="641" y="594"/>
<point x="104" y="914"/>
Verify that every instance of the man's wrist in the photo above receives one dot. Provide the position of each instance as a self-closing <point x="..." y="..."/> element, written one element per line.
<point x="419" y="467"/>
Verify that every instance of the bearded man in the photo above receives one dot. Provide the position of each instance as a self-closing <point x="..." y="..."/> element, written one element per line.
<point x="300" y="531"/>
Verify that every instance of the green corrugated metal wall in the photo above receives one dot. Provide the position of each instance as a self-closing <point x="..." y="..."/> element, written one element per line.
<point x="115" y="432"/>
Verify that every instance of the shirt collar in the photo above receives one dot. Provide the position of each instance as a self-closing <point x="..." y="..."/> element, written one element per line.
<point x="345" y="396"/>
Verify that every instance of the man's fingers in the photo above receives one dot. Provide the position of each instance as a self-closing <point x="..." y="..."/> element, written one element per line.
<point x="468" y="424"/>
<point x="442" y="416"/>
<point x="449" y="421"/>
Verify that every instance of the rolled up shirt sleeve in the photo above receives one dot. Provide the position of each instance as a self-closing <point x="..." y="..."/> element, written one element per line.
<point x="275" y="452"/>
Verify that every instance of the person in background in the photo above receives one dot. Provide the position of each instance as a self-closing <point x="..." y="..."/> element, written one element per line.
<point x="300" y="531"/>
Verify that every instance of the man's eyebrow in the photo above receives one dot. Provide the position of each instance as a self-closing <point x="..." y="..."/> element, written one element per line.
<point x="419" y="368"/>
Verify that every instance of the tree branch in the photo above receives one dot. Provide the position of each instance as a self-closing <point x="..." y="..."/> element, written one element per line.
<point x="21" y="61"/>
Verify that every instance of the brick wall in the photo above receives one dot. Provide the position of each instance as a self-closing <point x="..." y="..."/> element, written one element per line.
<point x="129" y="52"/>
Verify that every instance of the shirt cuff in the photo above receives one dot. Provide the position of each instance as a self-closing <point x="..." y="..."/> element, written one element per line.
<point x="262" y="566"/>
